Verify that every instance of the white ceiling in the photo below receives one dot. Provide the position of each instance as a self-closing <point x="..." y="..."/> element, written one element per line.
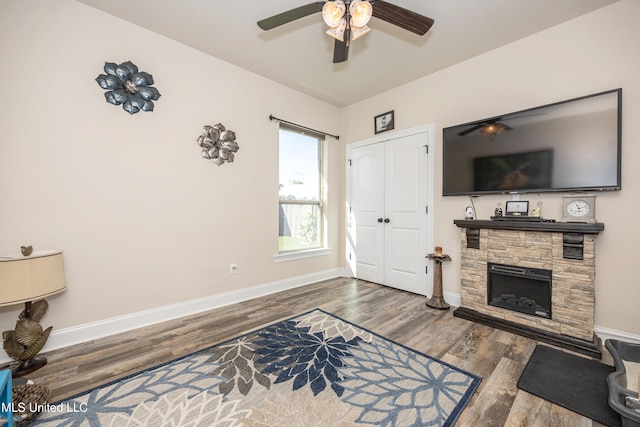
<point x="299" y="54"/>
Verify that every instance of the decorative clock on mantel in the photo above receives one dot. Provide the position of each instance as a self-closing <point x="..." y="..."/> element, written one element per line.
<point x="579" y="208"/>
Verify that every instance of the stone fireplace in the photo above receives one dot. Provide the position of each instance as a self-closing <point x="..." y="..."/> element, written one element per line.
<point x="532" y="278"/>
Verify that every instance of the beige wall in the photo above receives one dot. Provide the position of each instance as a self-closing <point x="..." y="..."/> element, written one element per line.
<point x="143" y="220"/>
<point x="592" y="53"/>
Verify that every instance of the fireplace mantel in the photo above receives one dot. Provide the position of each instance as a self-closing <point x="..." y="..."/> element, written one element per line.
<point x="546" y="226"/>
<point x="566" y="249"/>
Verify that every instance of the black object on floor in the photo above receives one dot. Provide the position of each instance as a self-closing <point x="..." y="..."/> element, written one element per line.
<point x="570" y="381"/>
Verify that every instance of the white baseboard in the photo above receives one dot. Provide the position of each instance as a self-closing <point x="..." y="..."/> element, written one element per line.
<point x="452" y="299"/>
<point x="606" y="334"/>
<point x="90" y="331"/>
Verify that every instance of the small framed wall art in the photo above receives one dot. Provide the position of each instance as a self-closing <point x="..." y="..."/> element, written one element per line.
<point x="384" y="122"/>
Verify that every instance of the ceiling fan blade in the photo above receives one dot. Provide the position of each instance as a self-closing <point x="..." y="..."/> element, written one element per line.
<point x="471" y="129"/>
<point x="290" y="15"/>
<point x="403" y="18"/>
<point x="341" y="50"/>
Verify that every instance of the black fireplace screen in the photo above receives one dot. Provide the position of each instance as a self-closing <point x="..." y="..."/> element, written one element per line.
<point x="522" y="289"/>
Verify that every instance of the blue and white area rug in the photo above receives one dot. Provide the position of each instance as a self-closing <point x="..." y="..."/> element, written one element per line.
<point x="314" y="369"/>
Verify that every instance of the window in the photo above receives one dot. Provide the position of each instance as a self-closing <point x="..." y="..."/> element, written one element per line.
<point x="300" y="181"/>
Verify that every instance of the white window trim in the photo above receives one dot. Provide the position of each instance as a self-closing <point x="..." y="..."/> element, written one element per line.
<point x="302" y="254"/>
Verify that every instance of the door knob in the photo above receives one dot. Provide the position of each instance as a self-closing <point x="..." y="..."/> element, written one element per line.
<point x="387" y="220"/>
<point x="379" y="219"/>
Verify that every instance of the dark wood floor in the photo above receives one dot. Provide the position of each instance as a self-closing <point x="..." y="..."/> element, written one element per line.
<point x="497" y="356"/>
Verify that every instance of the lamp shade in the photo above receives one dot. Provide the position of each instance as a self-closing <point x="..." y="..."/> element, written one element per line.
<point x="361" y="12"/>
<point x="332" y="13"/>
<point x="24" y="279"/>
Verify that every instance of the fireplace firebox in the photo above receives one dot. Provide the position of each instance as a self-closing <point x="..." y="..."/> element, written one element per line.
<point x="523" y="289"/>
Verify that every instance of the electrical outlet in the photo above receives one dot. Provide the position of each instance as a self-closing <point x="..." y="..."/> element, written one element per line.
<point x="233" y="269"/>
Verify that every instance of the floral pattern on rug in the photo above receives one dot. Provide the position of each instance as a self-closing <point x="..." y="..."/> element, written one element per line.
<point x="314" y="369"/>
<point x="396" y="386"/>
<point x="202" y="409"/>
<point x="303" y="408"/>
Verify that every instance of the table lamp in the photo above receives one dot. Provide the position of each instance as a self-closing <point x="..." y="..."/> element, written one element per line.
<point x="24" y="278"/>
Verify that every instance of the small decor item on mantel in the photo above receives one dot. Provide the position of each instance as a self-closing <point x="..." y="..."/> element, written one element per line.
<point x="469" y="212"/>
<point x="437" y="298"/>
<point x="128" y="86"/>
<point x="579" y="208"/>
<point x="537" y="211"/>
<point x="218" y="144"/>
<point x="517" y="208"/>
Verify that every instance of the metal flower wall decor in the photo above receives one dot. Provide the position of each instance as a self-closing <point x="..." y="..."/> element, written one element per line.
<point x="128" y="86"/>
<point x="218" y="144"/>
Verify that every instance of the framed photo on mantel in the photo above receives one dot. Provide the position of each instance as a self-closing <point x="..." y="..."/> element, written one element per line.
<point x="384" y="122"/>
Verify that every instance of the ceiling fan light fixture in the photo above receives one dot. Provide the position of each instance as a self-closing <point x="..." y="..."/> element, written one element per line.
<point x="338" y="32"/>
<point x="357" y="32"/>
<point x="333" y="12"/>
<point x="492" y="129"/>
<point x="361" y="12"/>
<point x="348" y="19"/>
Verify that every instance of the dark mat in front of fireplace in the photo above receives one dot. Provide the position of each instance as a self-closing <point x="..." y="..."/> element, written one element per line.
<point x="573" y="382"/>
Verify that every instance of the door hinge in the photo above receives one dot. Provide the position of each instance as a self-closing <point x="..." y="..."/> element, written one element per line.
<point x="426" y="209"/>
<point x="349" y="255"/>
<point x="426" y="269"/>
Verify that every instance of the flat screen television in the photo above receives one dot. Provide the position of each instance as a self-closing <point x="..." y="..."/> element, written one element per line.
<point x="573" y="145"/>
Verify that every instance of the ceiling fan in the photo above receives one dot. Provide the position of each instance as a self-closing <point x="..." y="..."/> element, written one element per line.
<point x="347" y="20"/>
<point x="489" y="127"/>
<point x="494" y="126"/>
